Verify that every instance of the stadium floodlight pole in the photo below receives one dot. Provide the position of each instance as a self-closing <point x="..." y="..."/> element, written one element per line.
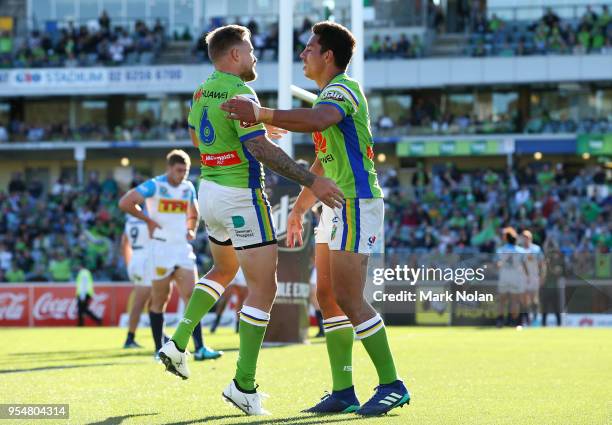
<point x="285" y="64"/>
<point x="357" y="64"/>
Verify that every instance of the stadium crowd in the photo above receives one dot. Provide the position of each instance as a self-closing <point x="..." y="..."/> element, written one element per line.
<point x="97" y="43"/>
<point x="45" y="236"/>
<point x="19" y="131"/>
<point x="592" y="33"/>
<point x="425" y="118"/>
<point x="420" y="118"/>
<point x="101" y="43"/>
<point x="449" y="211"/>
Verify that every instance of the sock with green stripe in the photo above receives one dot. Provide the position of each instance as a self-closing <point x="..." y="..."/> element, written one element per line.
<point x="373" y="335"/>
<point x="253" y="324"/>
<point x="339" y="338"/>
<point x="205" y="295"/>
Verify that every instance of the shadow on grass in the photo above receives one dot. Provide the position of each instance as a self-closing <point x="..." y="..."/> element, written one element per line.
<point x="116" y="420"/>
<point x="298" y="420"/>
<point x="46" y="368"/>
<point x="206" y="419"/>
<point x="47" y="353"/>
<point x="93" y="356"/>
<point x="137" y="351"/>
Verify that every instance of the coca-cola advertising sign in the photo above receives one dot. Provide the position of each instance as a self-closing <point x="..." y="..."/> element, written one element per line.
<point x="56" y="305"/>
<point x="51" y="305"/>
<point x="14" y="306"/>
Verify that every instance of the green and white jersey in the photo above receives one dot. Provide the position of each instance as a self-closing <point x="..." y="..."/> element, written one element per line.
<point x="345" y="149"/>
<point x="225" y="160"/>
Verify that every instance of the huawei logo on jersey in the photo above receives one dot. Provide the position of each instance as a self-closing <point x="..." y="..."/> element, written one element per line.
<point x="172" y="206"/>
<point x="370" y="152"/>
<point x="320" y="142"/>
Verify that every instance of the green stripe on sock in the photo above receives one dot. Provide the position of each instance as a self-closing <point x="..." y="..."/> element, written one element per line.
<point x="340" y="351"/>
<point x="199" y="304"/>
<point x="378" y="349"/>
<point x="251" y="337"/>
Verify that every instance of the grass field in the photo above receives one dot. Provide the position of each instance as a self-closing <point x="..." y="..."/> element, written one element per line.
<point x="455" y="375"/>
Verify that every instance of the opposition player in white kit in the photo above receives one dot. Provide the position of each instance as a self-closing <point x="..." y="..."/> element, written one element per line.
<point x="172" y="219"/>
<point x="134" y="246"/>
<point x="512" y="276"/>
<point x="536" y="270"/>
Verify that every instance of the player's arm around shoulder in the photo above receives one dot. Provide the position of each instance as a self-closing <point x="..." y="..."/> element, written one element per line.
<point x="302" y="120"/>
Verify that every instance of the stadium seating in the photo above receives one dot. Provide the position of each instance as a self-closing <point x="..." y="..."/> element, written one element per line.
<point x="549" y="35"/>
<point x="98" y="43"/>
<point x="101" y="43"/>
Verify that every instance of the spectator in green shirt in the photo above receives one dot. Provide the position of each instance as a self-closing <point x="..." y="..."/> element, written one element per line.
<point x="60" y="268"/>
<point x="584" y="39"/>
<point x="375" y="46"/>
<point x="598" y="40"/>
<point x="546" y="176"/>
<point x="490" y="177"/>
<point x="590" y="211"/>
<point x="6" y="48"/>
<point x="458" y="221"/>
<point x="14" y="274"/>
<point x="495" y="23"/>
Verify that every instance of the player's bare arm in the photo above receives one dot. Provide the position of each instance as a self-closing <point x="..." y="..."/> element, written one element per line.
<point x="193" y="219"/>
<point x="305" y="200"/>
<point x="273" y="157"/>
<point x="301" y="120"/>
<point x="126" y="249"/>
<point x="130" y="203"/>
<point x="194" y="138"/>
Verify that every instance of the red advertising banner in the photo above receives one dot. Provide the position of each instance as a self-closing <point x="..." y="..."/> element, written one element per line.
<point x="56" y="305"/>
<point x="14" y="305"/>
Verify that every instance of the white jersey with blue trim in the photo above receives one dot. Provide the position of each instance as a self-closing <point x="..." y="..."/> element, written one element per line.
<point x="511" y="257"/>
<point x="136" y="232"/>
<point x="532" y="259"/>
<point x="168" y="205"/>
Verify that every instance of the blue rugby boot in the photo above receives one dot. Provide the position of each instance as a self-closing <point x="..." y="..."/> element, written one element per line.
<point x="386" y="397"/>
<point x="343" y="401"/>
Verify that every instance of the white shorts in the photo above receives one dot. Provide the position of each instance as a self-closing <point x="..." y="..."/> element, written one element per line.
<point x="239" y="279"/>
<point x="168" y="256"/>
<point x="511" y="282"/>
<point x="313" y="277"/>
<point x="354" y="227"/>
<point x="236" y="216"/>
<point x="532" y="283"/>
<point x="138" y="269"/>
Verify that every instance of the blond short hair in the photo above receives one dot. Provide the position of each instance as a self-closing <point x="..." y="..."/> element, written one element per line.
<point x="178" y="156"/>
<point x="222" y="39"/>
